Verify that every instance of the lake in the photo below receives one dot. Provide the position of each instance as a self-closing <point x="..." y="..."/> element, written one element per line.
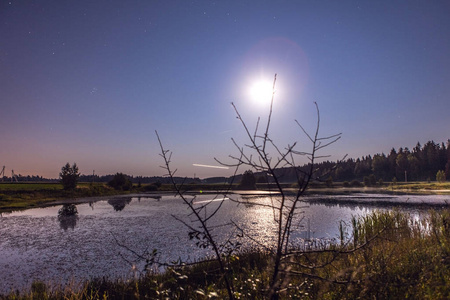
<point x="105" y="238"/>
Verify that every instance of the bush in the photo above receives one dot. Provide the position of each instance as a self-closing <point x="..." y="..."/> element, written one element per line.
<point x="121" y="182"/>
<point x="151" y="187"/>
<point x="329" y="182"/>
<point x="366" y="181"/>
<point x="355" y="183"/>
<point x="372" y="179"/>
<point x="248" y="181"/>
<point x="157" y="184"/>
<point x="346" y="184"/>
<point x="261" y="179"/>
<point x="440" y="176"/>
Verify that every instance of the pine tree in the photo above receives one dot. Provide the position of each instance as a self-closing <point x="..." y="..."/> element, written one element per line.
<point x="69" y="176"/>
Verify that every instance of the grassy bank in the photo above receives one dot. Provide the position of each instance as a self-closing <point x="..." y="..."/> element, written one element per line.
<point x="390" y="256"/>
<point x="16" y="196"/>
<point x="22" y="195"/>
<point x="422" y="186"/>
<point x="414" y="187"/>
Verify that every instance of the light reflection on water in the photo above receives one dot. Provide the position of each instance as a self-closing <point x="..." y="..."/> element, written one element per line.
<point x="34" y="244"/>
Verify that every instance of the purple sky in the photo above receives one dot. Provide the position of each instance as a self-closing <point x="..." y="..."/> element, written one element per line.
<point x="90" y="81"/>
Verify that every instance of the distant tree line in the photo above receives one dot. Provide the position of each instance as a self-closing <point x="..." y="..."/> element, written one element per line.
<point x="32" y="178"/>
<point x="138" y="179"/>
<point x="422" y="163"/>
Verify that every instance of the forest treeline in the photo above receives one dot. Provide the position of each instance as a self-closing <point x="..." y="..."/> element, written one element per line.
<point x="106" y="178"/>
<point x="420" y="163"/>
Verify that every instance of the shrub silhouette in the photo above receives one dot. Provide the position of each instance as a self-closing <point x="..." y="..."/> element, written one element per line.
<point x="121" y="182"/>
<point x="248" y="181"/>
<point x="440" y="176"/>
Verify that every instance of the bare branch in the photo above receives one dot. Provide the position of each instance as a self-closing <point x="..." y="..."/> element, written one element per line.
<point x="205" y="232"/>
<point x="256" y="154"/>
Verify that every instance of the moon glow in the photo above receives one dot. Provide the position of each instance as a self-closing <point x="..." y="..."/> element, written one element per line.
<point x="261" y="91"/>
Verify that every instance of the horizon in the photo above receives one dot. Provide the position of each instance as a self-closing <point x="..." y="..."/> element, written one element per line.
<point x="90" y="82"/>
<point x="445" y="144"/>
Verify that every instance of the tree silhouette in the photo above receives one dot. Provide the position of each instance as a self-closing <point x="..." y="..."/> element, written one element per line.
<point x="248" y="181"/>
<point x="69" y="176"/>
<point x="120" y="182"/>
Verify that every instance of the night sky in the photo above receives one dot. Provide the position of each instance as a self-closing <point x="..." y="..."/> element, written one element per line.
<point x="90" y="81"/>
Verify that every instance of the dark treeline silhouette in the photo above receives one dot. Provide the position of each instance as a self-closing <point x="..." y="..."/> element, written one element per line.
<point x="33" y="178"/>
<point x="421" y="163"/>
<point x="138" y="179"/>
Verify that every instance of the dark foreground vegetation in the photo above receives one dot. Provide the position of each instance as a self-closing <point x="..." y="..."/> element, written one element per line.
<point x="387" y="255"/>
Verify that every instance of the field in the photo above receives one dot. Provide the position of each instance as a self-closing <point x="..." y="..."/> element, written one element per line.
<point x="17" y="196"/>
<point x="19" y="186"/>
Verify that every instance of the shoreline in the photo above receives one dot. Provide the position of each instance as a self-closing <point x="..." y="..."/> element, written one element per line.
<point x="338" y="190"/>
<point x="384" y="191"/>
<point x="358" y="200"/>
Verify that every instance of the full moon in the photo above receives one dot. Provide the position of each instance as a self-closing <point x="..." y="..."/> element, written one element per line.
<point x="261" y="91"/>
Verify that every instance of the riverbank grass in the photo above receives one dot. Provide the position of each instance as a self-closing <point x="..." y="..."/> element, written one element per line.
<point x="18" y="196"/>
<point x="422" y="185"/>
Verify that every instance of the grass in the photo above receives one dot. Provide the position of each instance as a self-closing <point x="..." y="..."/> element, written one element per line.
<point x="410" y="187"/>
<point x="23" y="195"/>
<point x="17" y="196"/>
<point x="19" y="186"/>
<point x="422" y="185"/>
<point x="390" y="256"/>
